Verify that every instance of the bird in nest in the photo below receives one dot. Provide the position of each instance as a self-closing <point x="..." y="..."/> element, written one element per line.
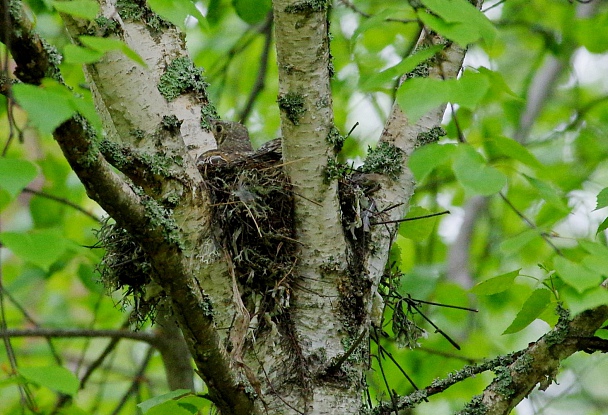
<point x="234" y="144"/>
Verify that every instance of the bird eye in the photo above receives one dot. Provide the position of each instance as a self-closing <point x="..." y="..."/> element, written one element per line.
<point x="219" y="128"/>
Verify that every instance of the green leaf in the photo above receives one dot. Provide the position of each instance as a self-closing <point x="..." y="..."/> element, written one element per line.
<point x="177" y="11"/>
<point x="512" y="149"/>
<point x="427" y="158"/>
<point x="594" y="248"/>
<point x="374" y="21"/>
<point x="169" y="407"/>
<point x="576" y="275"/>
<point x="497" y="83"/>
<point x="532" y="308"/>
<point x="603" y="226"/>
<point x="602" y="199"/>
<point x="417" y="96"/>
<point x="418" y="229"/>
<point x="47" y="106"/>
<point x="146" y="405"/>
<point x="496" y="284"/>
<point x="252" y="11"/>
<point x="472" y="172"/>
<point x="78" y="55"/>
<point x="379" y="80"/>
<point x="469" y="89"/>
<point x="41" y="248"/>
<point x="548" y="193"/>
<point x="519" y="242"/>
<point x="591" y="33"/>
<point x="87" y="9"/>
<point x="458" y="20"/>
<point x="16" y="174"/>
<point x="194" y="401"/>
<point x="578" y="302"/>
<point x="104" y="44"/>
<point x="56" y="378"/>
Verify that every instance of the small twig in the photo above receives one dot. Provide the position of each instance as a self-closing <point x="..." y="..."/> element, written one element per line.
<point x="29" y="318"/>
<point x="335" y="365"/>
<point x="258" y="86"/>
<point x="62" y="201"/>
<point x="137" y="380"/>
<point x="383" y="351"/>
<point x="530" y="224"/>
<point x="445" y="212"/>
<point x="437" y="329"/>
<point x="367" y="15"/>
<point x="149" y="338"/>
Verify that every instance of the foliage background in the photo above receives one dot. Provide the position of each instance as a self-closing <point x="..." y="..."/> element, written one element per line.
<point x="48" y="265"/>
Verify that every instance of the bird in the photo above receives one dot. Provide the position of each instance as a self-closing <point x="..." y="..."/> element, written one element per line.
<point x="232" y="140"/>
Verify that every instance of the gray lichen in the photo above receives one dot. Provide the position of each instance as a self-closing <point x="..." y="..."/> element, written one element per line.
<point x="293" y="106"/>
<point x="384" y="159"/>
<point x="182" y="76"/>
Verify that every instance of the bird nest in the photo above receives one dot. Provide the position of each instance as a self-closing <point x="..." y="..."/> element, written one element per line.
<point x="253" y="210"/>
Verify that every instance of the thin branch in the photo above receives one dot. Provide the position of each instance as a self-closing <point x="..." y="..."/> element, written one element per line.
<point x="258" y="86"/>
<point x="530" y="223"/>
<point x="29" y="318"/>
<point x="137" y="380"/>
<point x="445" y="212"/>
<point x="63" y="201"/>
<point x="147" y="337"/>
<point x="354" y="8"/>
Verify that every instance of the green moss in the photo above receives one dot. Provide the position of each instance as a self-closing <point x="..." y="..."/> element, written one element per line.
<point x="475" y="407"/>
<point x="207" y="306"/>
<point x="124" y="156"/>
<point x="293" y="105"/>
<point x="308" y="6"/>
<point x="180" y="77"/>
<point x="137" y="10"/>
<point x="138" y="134"/>
<point x="335" y="138"/>
<point x="504" y="381"/>
<point x="170" y="123"/>
<point x="431" y="136"/>
<point x="524" y="364"/>
<point x="561" y="329"/>
<point x="104" y="27"/>
<point x="160" y="217"/>
<point x="385" y="159"/>
<point x="54" y="60"/>
<point x="335" y="170"/>
<point x="208" y="113"/>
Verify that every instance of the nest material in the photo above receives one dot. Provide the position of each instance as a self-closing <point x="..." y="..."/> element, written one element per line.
<point x="126" y="267"/>
<point x="253" y="210"/>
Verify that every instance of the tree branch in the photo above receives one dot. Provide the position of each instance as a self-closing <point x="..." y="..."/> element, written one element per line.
<point x="171" y="248"/>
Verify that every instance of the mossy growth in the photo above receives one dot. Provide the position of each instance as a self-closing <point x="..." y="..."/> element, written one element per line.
<point x="429" y="137"/>
<point x="104" y="27"/>
<point x="123" y="157"/>
<point x="504" y="381"/>
<point x="160" y="217"/>
<point x="384" y="159"/>
<point x="208" y="113"/>
<point x="335" y="138"/>
<point x="334" y="170"/>
<point x="308" y="6"/>
<point x="170" y="123"/>
<point x="475" y="407"/>
<point x="137" y="10"/>
<point x="182" y="76"/>
<point x="125" y="266"/>
<point x="293" y="106"/>
<point x="561" y="329"/>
